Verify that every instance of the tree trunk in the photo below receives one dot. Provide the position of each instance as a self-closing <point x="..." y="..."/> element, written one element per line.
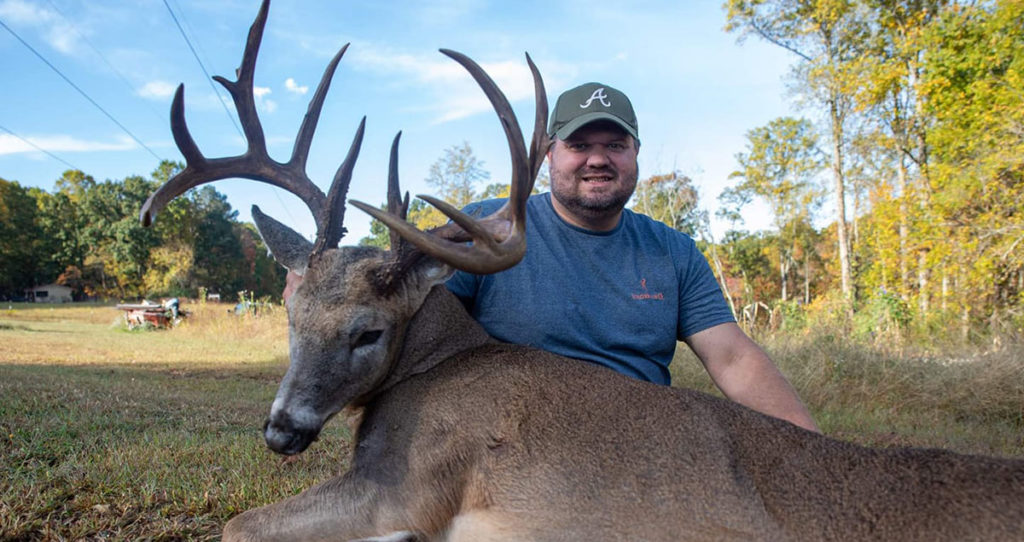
<point x="782" y="276"/>
<point x="922" y="282"/>
<point x="904" y="285"/>
<point x="840" y="195"/>
<point x="807" y="281"/>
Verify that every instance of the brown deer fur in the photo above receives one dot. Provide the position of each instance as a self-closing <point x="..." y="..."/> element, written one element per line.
<point x="469" y="439"/>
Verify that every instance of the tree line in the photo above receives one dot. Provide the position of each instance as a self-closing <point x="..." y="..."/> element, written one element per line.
<point x="86" y="234"/>
<point x="917" y="111"/>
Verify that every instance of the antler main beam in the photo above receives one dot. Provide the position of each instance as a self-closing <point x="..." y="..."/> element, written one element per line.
<point x="255" y="163"/>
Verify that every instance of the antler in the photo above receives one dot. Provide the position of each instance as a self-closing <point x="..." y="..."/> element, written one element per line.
<point x="255" y="163"/>
<point x="499" y="240"/>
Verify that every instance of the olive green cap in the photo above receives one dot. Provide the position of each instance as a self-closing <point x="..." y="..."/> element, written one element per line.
<point x="591" y="102"/>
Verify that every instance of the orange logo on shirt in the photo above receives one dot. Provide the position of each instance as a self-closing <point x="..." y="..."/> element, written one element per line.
<point x="646" y="294"/>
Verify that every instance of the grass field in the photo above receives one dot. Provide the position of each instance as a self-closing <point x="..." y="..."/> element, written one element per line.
<point x="110" y="434"/>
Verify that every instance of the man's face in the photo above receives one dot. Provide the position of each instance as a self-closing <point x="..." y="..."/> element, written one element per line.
<point x="593" y="172"/>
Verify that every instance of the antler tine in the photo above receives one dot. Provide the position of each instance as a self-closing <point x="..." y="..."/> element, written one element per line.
<point x="242" y="90"/>
<point x="398" y="204"/>
<point x="329" y="226"/>
<point x="498" y="240"/>
<point x="540" y="143"/>
<point x="255" y="163"/>
<point x="301" y="150"/>
<point x="520" y="161"/>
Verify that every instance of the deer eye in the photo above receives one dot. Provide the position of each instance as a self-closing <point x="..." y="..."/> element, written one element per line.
<point x="367" y="338"/>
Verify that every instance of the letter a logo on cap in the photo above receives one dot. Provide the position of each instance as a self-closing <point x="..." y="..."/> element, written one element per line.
<point x="597" y="95"/>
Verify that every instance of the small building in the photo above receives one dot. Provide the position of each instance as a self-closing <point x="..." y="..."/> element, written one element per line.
<point x="49" y="293"/>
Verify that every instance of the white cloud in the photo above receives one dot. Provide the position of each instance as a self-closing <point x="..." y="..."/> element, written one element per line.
<point x="21" y="12"/>
<point x="157" y="90"/>
<point x="261" y="99"/>
<point x="292" y="86"/>
<point x="453" y="93"/>
<point x="10" y="144"/>
<point x="57" y="32"/>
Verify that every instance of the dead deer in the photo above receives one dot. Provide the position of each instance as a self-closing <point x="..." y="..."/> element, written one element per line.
<point x="464" y="438"/>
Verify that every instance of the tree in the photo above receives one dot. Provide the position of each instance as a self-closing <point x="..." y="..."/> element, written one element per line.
<point x="779" y="167"/>
<point x="890" y="90"/>
<point x="219" y="263"/>
<point x="827" y="37"/>
<point x="973" y="89"/>
<point x="19" y="235"/>
<point x="454" y="178"/>
<point x="455" y="175"/>
<point x="748" y="256"/>
<point x="670" y="198"/>
<point x="62" y="222"/>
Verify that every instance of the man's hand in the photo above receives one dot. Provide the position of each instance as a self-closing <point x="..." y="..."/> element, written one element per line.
<point x="745" y="374"/>
<point x="291" y="282"/>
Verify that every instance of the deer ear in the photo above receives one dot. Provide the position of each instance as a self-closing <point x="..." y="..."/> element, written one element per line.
<point x="420" y="277"/>
<point x="286" y="245"/>
<point x="433" y="271"/>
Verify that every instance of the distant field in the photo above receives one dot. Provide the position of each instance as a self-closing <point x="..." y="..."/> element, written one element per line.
<point x="110" y="434"/>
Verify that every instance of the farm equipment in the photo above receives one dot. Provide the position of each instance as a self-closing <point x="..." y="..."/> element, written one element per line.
<point x="159" y="315"/>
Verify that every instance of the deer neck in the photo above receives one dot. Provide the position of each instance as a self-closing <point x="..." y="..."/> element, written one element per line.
<point x="440" y="329"/>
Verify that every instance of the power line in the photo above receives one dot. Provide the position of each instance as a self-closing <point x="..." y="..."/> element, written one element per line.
<point x="40" y="149"/>
<point x="209" y="79"/>
<point x="80" y="91"/>
<point x="106" y="61"/>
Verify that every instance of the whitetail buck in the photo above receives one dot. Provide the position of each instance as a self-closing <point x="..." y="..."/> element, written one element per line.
<point x="464" y="438"/>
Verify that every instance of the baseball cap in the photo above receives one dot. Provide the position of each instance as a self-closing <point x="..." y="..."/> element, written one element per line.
<point x="590" y="102"/>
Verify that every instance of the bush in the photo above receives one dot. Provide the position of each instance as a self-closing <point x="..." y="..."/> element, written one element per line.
<point x="884" y="319"/>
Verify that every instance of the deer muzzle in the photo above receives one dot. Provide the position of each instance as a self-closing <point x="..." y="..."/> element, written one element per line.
<point x="285" y="436"/>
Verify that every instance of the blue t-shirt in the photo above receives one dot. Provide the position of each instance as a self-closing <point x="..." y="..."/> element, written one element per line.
<point x="620" y="298"/>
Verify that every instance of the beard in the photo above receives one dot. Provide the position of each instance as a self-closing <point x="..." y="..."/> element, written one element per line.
<point x="565" y="187"/>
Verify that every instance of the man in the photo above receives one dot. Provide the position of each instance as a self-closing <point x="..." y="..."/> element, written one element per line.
<point x="606" y="285"/>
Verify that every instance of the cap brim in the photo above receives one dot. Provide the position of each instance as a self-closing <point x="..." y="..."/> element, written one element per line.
<point x="582" y="120"/>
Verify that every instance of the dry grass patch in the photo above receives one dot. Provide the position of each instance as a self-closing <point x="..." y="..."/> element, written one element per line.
<point x="970" y="401"/>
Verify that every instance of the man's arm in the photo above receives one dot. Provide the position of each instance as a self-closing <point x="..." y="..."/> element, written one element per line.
<point x="745" y="374"/>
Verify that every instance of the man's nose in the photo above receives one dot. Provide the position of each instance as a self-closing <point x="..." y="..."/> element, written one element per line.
<point x="597" y="156"/>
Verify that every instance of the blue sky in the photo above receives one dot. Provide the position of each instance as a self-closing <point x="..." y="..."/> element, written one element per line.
<point x="696" y="90"/>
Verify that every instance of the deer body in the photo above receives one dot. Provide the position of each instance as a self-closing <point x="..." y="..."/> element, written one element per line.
<point x="463" y="438"/>
<point x="504" y="442"/>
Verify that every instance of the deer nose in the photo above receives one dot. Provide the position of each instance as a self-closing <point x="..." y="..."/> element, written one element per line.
<point x="284" y="437"/>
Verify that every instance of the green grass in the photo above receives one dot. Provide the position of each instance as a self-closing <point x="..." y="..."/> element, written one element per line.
<point x="107" y="434"/>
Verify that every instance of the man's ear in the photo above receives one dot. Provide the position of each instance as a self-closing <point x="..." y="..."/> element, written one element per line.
<point x="285" y="244"/>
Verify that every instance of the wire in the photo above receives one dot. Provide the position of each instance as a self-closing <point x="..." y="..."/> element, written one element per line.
<point x="209" y="79"/>
<point x="222" y="103"/>
<point x="80" y="91"/>
<point x="40" y="149"/>
<point x="110" y="65"/>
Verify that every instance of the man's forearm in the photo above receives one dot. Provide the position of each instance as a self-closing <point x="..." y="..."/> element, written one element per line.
<point x="762" y="387"/>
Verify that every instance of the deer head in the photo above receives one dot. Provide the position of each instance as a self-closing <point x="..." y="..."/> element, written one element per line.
<point x="348" y="318"/>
